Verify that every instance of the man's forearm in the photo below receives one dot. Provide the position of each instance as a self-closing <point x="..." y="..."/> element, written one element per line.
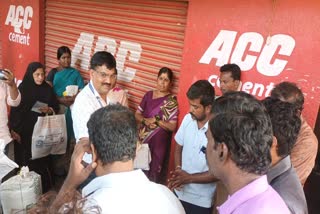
<point x="202" y="178"/>
<point x="66" y="188"/>
<point x="177" y="156"/>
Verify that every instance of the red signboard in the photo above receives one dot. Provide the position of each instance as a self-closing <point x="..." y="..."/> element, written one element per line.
<point x="20" y="23"/>
<point x="271" y="41"/>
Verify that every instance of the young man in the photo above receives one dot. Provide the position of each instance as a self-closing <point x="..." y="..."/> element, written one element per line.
<point x="191" y="180"/>
<point x="282" y="176"/>
<point x="230" y="76"/>
<point x="304" y="151"/>
<point x="238" y="153"/>
<point x="103" y="77"/>
<point x="117" y="188"/>
<point x="230" y="80"/>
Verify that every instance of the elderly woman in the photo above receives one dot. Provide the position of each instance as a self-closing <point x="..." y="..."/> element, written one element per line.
<point x="157" y="114"/>
<point x="33" y="89"/>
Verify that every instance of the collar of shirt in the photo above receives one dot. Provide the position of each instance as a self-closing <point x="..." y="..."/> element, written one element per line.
<point x="97" y="95"/>
<point x="111" y="180"/>
<point x="203" y="128"/>
<point x="251" y="190"/>
<point x="279" y="168"/>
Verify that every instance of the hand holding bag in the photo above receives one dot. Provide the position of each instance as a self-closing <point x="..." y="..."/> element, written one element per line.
<point x="49" y="136"/>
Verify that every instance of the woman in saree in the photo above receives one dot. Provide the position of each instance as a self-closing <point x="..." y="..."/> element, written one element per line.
<point x="61" y="77"/>
<point x="23" y="118"/>
<point x="157" y="114"/>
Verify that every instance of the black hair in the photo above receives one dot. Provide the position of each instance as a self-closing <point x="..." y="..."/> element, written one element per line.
<point x="234" y="69"/>
<point x="289" y="92"/>
<point x="285" y="124"/>
<point x="101" y="58"/>
<point x="113" y="132"/>
<point x="168" y="71"/>
<point x="241" y="122"/>
<point x="202" y="89"/>
<point x="62" y="50"/>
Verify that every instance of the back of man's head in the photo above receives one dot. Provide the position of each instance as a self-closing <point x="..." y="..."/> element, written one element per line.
<point x="202" y="89"/>
<point x="241" y="122"/>
<point x="234" y="69"/>
<point x="113" y="132"/>
<point x="289" y="92"/>
<point x="101" y="58"/>
<point x="285" y="124"/>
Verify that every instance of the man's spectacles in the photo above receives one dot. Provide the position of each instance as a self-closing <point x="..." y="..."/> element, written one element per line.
<point x="105" y="75"/>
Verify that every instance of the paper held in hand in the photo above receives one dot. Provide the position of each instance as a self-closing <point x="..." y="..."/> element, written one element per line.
<point x="71" y="90"/>
<point x="37" y="106"/>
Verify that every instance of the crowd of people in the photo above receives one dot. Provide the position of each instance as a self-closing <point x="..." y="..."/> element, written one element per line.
<point x="233" y="153"/>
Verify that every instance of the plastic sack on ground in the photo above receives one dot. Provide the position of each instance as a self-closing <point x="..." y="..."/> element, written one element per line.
<point x="20" y="192"/>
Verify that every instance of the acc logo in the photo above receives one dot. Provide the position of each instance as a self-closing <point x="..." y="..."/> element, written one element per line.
<point x="19" y="18"/>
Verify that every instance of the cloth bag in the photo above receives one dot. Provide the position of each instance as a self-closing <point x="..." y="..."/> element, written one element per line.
<point x="20" y="192"/>
<point x="49" y="136"/>
<point x="143" y="157"/>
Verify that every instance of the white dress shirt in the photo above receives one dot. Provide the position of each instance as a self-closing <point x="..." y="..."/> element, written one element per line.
<point x="192" y="139"/>
<point x="131" y="192"/>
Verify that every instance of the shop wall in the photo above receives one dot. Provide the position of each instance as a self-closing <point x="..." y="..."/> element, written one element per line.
<point x="21" y="34"/>
<point x="229" y="31"/>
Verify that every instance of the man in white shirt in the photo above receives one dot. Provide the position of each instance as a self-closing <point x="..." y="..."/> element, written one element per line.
<point x="9" y="95"/>
<point x="117" y="188"/>
<point x="103" y="78"/>
<point x="191" y="180"/>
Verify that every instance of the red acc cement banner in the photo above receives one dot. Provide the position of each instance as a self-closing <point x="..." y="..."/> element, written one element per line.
<point x="20" y="34"/>
<point x="271" y="41"/>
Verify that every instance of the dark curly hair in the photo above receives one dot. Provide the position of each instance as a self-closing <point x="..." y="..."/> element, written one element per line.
<point x="241" y="122"/>
<point x="113" y="132"/>
<point x="202" y="89"/>
<point x="72" y="202"/>
<point x="285" y="124"/>
<point x="289" y="92"/>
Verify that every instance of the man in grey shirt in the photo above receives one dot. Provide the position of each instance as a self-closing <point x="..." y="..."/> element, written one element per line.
<point x="282" y="176"/>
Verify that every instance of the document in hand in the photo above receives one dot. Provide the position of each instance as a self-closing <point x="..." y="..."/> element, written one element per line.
<point x="38" y="105"/>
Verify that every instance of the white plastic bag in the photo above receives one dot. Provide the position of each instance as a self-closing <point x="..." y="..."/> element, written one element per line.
<point x="49" y="136"/>
<point x="143" y="157"/>
<point x="20" y="192"/>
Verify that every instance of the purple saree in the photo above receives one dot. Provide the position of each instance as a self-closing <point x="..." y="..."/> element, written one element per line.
<point x="166" y="108"/>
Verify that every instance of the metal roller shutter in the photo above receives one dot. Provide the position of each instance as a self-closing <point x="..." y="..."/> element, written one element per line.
<point x="143" y="35"/>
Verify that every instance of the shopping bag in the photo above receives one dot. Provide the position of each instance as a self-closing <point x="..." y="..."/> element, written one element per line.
<point x="49" y="136"/>
<point x="143" y="157"/>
